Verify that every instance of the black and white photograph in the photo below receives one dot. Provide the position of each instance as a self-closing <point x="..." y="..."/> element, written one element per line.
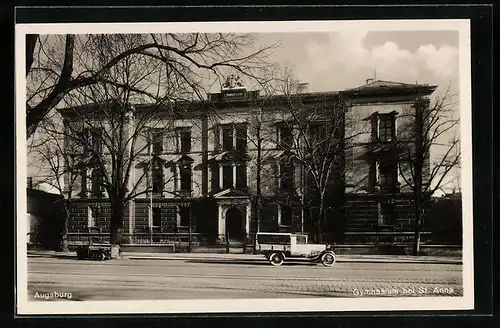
<point x="244" y="167"/>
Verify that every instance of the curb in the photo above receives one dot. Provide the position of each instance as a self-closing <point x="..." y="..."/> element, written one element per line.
<point x="253" y="258"/>
<point x="339" y="259"/>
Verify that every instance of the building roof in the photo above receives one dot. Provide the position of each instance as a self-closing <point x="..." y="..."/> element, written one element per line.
<point x="378" y="84"/>
<point x="381" y="87"/>
<point x="231" y="96"/>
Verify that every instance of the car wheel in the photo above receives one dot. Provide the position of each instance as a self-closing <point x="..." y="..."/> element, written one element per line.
<point x="328" y="259"/>
<point x="101" y="256"/>
<point x="276" y="259"/>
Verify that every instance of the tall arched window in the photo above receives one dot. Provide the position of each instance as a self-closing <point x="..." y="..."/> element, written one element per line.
<point x="84" y="183"/>
<point x="185" y="176"/>
<point x="96" y="182"/>
<point x="157" y="176"/>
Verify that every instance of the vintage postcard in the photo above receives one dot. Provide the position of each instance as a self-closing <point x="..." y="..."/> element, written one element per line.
<point x="208" y="167"/>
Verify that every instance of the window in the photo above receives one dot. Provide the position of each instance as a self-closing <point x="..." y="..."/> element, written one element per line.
<point x="227" y="137"/>
<point x="227" y="176"/>
<point x="241" y="176"/>
<point x="317" y="132"/>
<point x="372" y="174"/>
<point x="286" y="175"/>
<point x="285" y="215"/>
<point x="157" y="141"/>
<point x="386" y="127"/>
<point x="387" y="176"/>
<point x="156" y="217"/>
<point x="301" y="239"/>
<point x="184" y="216"/>
<point x="93" y="139"/>
<point x="241" y="138"/>
<point x="96" y="183"/>
<point x="185" y="175"/>
<point x="285" y="139"/>
<point x="215" y="177"/>
<point x="157" y="176"/>
<point x="184" y="141"/>
<point x="374" y="127"/>
<point x="84" y="183"/>
<point x="386" y="213"/>
<point x="217" y="138"/>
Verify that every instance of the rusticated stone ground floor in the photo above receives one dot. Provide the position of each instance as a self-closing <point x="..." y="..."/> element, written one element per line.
<point x="362" y="219"/>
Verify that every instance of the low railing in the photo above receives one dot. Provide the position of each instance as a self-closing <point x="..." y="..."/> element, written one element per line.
<point x="385" y="237"/>
<point x="179" y="239"/>
<point x="85" y="237"/>
<point x="193" y="240"/>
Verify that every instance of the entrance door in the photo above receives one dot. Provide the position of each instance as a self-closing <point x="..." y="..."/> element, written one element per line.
<point x="234" y="225"/>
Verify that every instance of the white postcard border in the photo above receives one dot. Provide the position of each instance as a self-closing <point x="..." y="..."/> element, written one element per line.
<point x="24" y="306"/>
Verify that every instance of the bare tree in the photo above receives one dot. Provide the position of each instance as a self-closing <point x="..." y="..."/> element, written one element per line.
<point x="315" y="133"/>
<point x="116" y="116"/>
<point x="56" y="65"/>
<point x="64" y="165"/>
<point x="429" y="149"/>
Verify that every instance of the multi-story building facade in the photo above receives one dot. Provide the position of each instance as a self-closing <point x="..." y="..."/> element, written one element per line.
<point x="379" y="201"/>
<point x="196" y="175"/>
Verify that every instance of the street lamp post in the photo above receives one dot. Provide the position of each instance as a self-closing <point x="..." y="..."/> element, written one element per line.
<point x="259" y="169"/>
<point x="150" y="185"/>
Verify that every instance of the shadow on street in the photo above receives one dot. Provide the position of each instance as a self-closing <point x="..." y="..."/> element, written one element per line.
<point x="249" y="262"/>
<point x="56" y="256"/>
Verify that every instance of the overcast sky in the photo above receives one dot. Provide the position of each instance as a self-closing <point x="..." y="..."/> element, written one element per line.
<point x="345" y="59"/>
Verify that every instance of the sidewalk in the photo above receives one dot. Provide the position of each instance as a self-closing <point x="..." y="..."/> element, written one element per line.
<point x="251" y="257"/>
<point x="339" y="258"/>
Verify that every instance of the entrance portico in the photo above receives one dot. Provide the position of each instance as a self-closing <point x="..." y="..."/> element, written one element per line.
<point x="234" y="213"/>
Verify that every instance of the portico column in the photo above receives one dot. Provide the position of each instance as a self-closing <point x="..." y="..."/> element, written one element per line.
<point x="221" y="224"/>
<point x="234" y="174"/>
<point x="176" y="177"/>
<point x="248" y="218"/>
<point x="234" y="136"/>
<point x="221" y="176"/>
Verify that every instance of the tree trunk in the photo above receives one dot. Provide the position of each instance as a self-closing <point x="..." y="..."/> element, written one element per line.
<point x="320" y="224"/>
<point x="190" y="233"/>
<point x="257" y="218"/>
<point x="419" y="160"/>
<point x="259" y="192"/>
<point x="64" y="245"/>
<point x="226" y="235"/>
<point x="31" y="40"/>
<point x="37" y="113"/>
<point x="117" y="211"/>
<point x="416" y="239"/>
<point x="243" y="221"/>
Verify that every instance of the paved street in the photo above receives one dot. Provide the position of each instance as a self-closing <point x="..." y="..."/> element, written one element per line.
<point x="198" y="278"/>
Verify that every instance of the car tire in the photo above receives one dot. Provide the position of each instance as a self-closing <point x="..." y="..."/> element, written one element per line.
<point x="276" y="259"/>
<point x="101" y="256"/>
<point x="327" y="259"/>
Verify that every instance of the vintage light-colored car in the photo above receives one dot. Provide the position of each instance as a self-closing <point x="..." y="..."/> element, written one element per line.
<point x="279" y="246"/>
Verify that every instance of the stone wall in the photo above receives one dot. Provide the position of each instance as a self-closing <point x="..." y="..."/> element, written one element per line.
<point x="168" y="216"/>
<point x="362" y="219"/>
<point x="78" y="223"/>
